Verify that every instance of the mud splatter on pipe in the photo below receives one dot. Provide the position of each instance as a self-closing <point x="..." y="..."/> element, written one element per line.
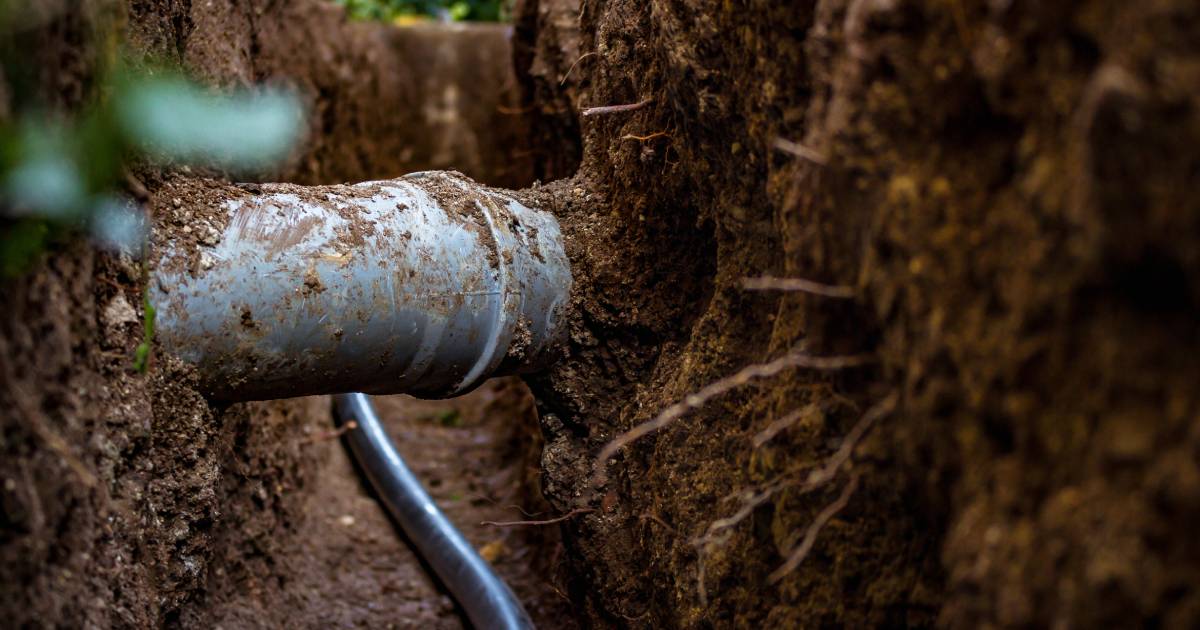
<point x="425" y="285"/>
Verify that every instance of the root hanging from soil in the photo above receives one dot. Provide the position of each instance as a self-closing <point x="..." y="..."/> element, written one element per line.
<point x="796" y="556"/>
<point x="816" y="478"/>
<point x="794" y="359"/>
<point x="655" y="518"/>
<point x="781" y="425"/>
<point x="567" y="75"/>
<point x="551" y="521"/>
<point x="615" y="109"/>
<point x="334" y="434"/>
<point x="800" y="151"/>
<point x="39" y="424"/>
<point x="768" y="283"/>
<point x="651" y="136"/>
<point x="877" y="412"/>
<point x="718" y="532"/>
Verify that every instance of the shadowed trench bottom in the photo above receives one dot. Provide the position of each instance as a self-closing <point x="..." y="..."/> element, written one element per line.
<point x="487" y="600"/>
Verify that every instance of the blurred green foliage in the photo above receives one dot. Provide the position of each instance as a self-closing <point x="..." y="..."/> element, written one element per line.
<point x="64" y="164"/>
<point x="458" y="10"/>
<point x="61" y="174"/>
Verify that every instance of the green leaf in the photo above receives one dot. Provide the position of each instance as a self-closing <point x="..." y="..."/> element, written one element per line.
<point x="118" y="224"/>
<point x="450" y="418"/>
<point x="141" y="356"/>
<point x="44" y="181"/>
<point x="242" y="131"/>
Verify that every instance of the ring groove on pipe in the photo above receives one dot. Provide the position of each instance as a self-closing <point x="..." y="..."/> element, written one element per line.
<point x="424" y="285"/>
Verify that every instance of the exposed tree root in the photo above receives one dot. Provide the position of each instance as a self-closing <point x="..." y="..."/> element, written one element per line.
<point x="799" y="150"/>
<point x="558" y="519"/>
<point x="718" y="531"/>
<point x="651" y="136"/>
<point x="614" y="109"/>
<point x="27" y="405"/>
<point x="332" y="434"/>
<point x="568" y="72"/>
<point x="794" y="359"/>
<point x="767" y="283"/>
<point x="797" y="555"/>
<point x="850" y="442"/>
<point x="780" y="425"/>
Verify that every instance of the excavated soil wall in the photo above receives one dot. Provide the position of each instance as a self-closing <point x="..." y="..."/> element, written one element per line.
<point x="1001" y="193"/>
<point x="994" y="195"/>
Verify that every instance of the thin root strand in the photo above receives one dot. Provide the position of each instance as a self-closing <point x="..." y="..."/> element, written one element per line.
<point x="716" y="531"/>
<point x="801" y="552"/>
<point x="799" y="150"/>
<point x="559" y="519"/>
<point x="827" y="472"/>
<point x="795" y="359"/>
<point x="768" y="283"/>
<point x="780" y="425"/>
<point x="568" y="73"/>
<point x="332" y="435"/>
<point x="614" y="109"/>
<point x="656" y="134"/>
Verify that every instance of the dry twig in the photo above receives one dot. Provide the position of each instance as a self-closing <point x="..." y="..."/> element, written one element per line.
<point x="768" y="283"/>
<point x="614" y="109"/>
<point x="795" y="359"/>
<point x="797" y="555"/>
<point x="568" y="515"/>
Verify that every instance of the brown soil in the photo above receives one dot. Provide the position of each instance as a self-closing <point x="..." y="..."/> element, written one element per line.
<point x="1006" y="187"/>
<point x="344" y="565"/>
<point x="381" y="101"/>
<point x="128" y="500"/>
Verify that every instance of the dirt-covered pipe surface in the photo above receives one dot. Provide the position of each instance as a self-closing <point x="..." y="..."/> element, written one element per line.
<point x="425" y="285"/>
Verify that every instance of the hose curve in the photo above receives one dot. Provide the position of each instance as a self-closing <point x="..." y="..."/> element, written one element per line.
<point x="487" y="600"/>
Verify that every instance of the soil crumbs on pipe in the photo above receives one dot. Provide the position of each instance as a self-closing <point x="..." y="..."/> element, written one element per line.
<point x="477" y="456"/>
